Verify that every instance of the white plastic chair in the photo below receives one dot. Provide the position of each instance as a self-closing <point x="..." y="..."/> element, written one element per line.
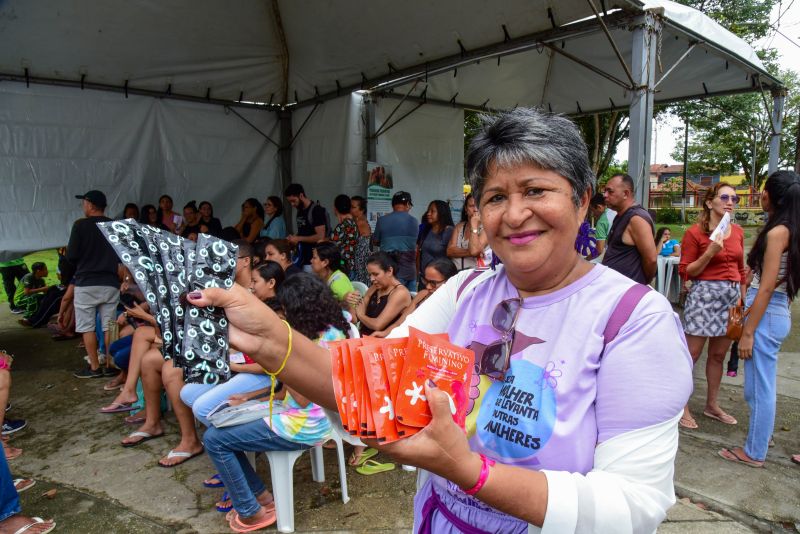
<point x="361" y="287"/>
<point x="281" y="466"/>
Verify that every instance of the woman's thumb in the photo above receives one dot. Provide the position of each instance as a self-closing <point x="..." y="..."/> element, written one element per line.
<point x="440" y="403"/>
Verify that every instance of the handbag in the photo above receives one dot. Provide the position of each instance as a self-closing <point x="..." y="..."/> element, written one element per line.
<point x="736" y="317"/>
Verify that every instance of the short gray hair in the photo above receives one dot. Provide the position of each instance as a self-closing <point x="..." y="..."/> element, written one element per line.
<point x="526" y="136"/>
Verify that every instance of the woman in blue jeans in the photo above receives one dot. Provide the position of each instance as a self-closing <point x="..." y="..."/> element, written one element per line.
<point x="11" y="518"/>
<point x="310" y="307"/>
<point x="775" y="261"/>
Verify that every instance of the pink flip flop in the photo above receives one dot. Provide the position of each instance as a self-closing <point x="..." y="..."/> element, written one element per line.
<point x="731" y="456"/>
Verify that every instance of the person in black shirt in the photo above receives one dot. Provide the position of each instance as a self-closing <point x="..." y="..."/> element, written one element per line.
<point x="312" y="222"/>
<point x="192" y="225"/>
<point x="96" y="279"/>
<point x="207" y="218"/>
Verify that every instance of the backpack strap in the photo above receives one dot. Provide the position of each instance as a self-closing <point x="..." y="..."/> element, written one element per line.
<point x="469" y="279"/>
<point x="622" y="312"/>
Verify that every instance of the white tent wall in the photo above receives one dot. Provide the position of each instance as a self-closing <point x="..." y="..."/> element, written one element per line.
<point x="327" y="155"/>
<point x="57" y="142"/>
<point x="425" y="152"/>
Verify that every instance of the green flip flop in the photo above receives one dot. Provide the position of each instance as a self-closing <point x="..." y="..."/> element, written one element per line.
<point x="371" y="467"/>
<point x="365" y="455"/>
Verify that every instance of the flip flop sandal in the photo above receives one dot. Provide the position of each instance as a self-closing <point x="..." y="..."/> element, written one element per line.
<point x="371" y="467"/>
<point x="795" y="459"/>
<point x="180" y="454"/>
<point x="217" y="484"/>
<point x="728" y="454"/>
<point x="146" y="436"/>
<point x="687" y="423"/>
<point x="117" y="407"/>
<point x="237" y="526"/>
<point x="365" y="455"/>
<point x="134" y="420"/>
<point x="110" y="387"/>
<point x="724" y="418"/>
<point x="226" y="504"/>
<point x="37" y="521"/>
<point x="22" y="484"/>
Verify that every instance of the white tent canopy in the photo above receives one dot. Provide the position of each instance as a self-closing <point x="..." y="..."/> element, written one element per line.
<point x="568" y="56"/>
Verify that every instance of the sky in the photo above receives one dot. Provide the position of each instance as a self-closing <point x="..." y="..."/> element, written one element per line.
<point x="664" y="137"/>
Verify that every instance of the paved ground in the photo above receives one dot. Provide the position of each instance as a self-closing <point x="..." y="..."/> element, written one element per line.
<point x="101" y="487"/>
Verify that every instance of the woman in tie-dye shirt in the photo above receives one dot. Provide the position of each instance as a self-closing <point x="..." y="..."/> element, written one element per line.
<point x="310" y="307"/>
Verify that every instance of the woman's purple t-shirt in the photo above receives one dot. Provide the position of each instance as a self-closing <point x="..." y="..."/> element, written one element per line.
<point x="559" y="398"/>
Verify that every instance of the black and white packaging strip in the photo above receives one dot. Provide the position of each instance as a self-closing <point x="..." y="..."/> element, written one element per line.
<point x="128" y="242"/>
<point x="205" y="340"/>
<point x="170" y="248"/>
<point x="163" y="307"/>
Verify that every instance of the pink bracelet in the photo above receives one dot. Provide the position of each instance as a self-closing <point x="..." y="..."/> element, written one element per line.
<point x="486" y="463"/>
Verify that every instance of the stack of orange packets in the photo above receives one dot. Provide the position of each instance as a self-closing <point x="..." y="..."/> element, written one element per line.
<point x="380" y="383"/>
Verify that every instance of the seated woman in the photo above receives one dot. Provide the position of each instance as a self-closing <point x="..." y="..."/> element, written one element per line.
<point x="251" y="221"/>
<point x="131" y="211"/>
<point x="386" y="298"/>
<point x="212" y="224"/>
<point x="249" y="376"/>
<point x="327" y="264"/>
<point x="275" y="227"/>
<point x="150" y="216"/>
<point x="311" y="309"/>
<point x="437" y="273"/>
<point x="280" y="251"/>
<point x="568" y="345"/>
<point x="665" y="245"/>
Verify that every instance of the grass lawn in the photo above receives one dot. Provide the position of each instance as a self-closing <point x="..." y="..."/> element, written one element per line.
<point x="50" y="258"/>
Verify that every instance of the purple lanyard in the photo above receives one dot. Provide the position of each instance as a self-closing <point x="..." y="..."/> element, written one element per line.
<point x="434" y="504"/>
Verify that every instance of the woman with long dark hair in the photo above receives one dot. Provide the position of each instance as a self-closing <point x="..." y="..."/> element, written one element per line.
<point x="310" y="308"/>
<point x="358" y="208"/>
<point x="665" y="245"/>
<point x="251" y="221"/>
<point x="275" y="228"/>
<point x="775" y="261"/>
<point x="386" y="298"/>
<point x="166" y="216"/>
<point x="131" y="211"/>
<point x="207" y="219"/>
<point x="327" y="264"/>
<point x="468" y="240"/>
<point x="435" y="234"/>
<point x="716" y="269"/>
<point x="280" y="251"/>
<point x="345" y="235"/>
<point x="149" y="215"/>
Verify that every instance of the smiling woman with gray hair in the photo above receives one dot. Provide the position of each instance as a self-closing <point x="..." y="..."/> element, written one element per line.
<point x="568" y="429"/>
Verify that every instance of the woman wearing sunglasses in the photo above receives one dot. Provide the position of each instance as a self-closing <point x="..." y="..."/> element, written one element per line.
<point x="716" y="269"/>
<point x="568" y="426"/>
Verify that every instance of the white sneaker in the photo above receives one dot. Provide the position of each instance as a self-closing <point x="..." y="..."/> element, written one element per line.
<point x="100" y="356"/>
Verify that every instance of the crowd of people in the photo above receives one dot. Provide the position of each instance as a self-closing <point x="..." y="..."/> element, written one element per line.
<point x="503" y="281"/>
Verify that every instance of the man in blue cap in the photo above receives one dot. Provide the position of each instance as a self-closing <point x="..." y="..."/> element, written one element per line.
<point x="96" y="279"/>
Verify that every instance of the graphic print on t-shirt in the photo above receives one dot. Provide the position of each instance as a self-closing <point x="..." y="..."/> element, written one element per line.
<point x="513" y="418"/>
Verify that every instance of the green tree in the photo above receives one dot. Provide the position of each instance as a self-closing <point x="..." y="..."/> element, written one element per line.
<point x="723" y="129"/>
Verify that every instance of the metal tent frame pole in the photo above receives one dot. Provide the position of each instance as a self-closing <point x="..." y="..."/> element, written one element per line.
<point x="643" y="64"/>
<point x="778" y="98"/>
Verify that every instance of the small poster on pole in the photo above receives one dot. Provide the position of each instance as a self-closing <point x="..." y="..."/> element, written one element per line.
<point x="379" y="191"/>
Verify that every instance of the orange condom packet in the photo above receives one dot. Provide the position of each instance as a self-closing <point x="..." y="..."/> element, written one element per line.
<point x="359" y="387"/>
<point x="337" y="375"/>
<point x="349" y="385"/>
<point x="394" y="357"/>
<point x="381" y="402"/>
<point x="450" y="367"/>
<point x="366" y="418"/>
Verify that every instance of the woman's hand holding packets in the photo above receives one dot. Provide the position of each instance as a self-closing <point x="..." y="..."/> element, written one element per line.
<point x="441" y="447"/>
<point x="258" y="332"/>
